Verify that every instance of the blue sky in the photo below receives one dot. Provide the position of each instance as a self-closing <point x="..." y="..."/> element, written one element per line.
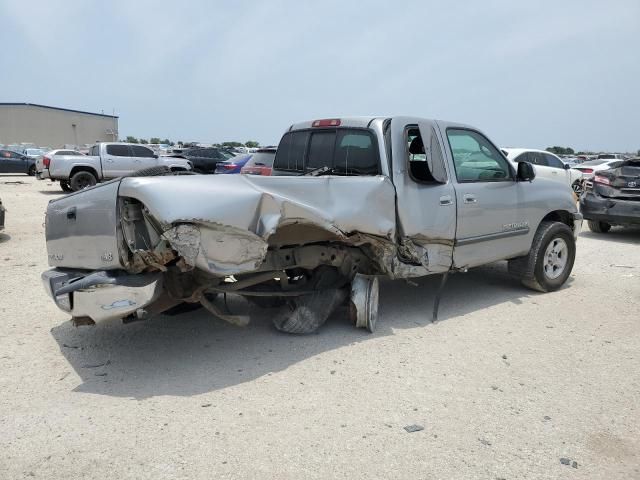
<point x="545" y="73"/>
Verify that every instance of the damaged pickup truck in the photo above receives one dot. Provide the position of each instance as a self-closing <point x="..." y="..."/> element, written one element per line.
<point x="350" y="200"/>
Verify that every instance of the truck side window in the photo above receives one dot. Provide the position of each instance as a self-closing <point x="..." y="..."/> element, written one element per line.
<point x="475" y="159"/>
<point x="426" y="165"/>
<point x="118" y="150"/>
<point x="140" y="151"/>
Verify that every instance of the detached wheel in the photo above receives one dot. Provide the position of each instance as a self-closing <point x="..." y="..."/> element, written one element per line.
<point x="64" y="185"/>
<point x="550" y="260"/>
<point x="309" y="312"/>
<point x="599" y="227"/>
<point x="363" y="307"/>
<point x="81" y="180"/>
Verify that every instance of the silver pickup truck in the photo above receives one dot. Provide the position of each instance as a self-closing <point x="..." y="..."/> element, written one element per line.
<point x="105" y="161"/>
<point x="350" y="199"/>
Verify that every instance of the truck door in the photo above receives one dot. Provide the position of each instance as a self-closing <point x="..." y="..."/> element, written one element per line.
<point x="117" y="160"/>
<point x="491" y="223"/>
<point x="425" y="197"/>
<point x="143" y="157"/>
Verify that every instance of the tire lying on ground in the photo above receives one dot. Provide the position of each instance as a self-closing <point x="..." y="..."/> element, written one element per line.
<point x="64" y="185"/>
<point x="82" y="179"/>
<point x="309" y="312"/>
<point x="550" y="259"/>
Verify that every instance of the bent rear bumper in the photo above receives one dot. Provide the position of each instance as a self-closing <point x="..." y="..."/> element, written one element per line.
<point x="610" y="210"/>
<point x="101" y="295"/>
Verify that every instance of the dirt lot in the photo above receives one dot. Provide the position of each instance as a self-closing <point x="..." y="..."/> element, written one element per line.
<point x="506" y="384"/>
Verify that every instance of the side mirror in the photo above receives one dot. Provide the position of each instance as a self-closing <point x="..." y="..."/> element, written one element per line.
<point x="526" y="173"/>
<point x="567" y="166"/>
<point x="155" y="155"/>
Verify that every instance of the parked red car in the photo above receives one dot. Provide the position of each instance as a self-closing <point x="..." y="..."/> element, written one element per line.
<point x="261" y="162"/>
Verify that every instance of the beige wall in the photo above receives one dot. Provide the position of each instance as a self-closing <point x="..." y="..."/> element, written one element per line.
<point x="53" y="128"/>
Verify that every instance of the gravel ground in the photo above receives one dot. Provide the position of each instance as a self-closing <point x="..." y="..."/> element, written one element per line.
<point x="508" y="384"/>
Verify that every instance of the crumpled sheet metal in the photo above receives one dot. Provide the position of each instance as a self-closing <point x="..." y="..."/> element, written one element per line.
<point x="222" y="223"/>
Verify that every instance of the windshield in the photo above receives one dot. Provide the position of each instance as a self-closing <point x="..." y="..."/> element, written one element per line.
<point x="34" y="151"/>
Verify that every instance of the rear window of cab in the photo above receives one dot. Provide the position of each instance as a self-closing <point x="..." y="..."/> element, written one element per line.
<point x="346" y="150"/>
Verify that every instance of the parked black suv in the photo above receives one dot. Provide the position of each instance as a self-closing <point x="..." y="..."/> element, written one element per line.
<point x="612" y="197"/>
<point x="205" y="160"/>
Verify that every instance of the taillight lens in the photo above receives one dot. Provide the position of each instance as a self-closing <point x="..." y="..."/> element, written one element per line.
<point x="586" y="170"/>
<point x="229" y="166"/>
<point x="601" y="180"/>
<point x="46" y="161"/>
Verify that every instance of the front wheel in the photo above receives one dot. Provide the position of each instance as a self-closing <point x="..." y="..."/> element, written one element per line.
<point x="550" y="260"/>
<point x="598" y="227"/>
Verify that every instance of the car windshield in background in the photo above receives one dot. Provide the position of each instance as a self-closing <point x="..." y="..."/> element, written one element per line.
<point x="34" y="151"/>
<point x="262" y="159"/>
<point x="343" y="150"/>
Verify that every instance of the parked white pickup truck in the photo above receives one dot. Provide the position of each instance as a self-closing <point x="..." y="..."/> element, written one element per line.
<point x="105" y="161"/>
<point x="351" y="199"/>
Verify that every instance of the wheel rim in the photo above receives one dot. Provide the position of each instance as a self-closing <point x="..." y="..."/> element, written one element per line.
<point x="555" y="258"/>
<point x="577" y="187"/>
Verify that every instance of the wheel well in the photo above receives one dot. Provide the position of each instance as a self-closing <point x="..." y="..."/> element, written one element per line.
<point x="75" y="170"/>
<point x="178" y="169"/>
<point x="561" y="216"/>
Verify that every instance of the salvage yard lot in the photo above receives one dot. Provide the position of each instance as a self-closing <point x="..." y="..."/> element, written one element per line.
<point x="506" y="384"/>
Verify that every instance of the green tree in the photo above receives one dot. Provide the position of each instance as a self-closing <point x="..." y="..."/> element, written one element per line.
<point x="561" y="150"/>
<point x="131" y="139"/>
<point x="232" y="144"/>
<point x="143" y="141"/>
<point x="155" y="140"/>
<point x="251" y="144"/>
<point x="166" y="141"/>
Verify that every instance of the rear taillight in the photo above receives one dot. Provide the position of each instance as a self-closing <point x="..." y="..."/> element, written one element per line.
<point x="586" y="170"/>
<point x="229" y="166"/>
<point x="46" y="161"/>
<point x="601" y="180"/>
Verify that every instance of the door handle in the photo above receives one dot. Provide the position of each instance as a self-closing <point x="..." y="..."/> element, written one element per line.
<point x="468" y="198"/>
<point x="71" y="213"/>
<point x="446" y="200"/>
<point x="109" y="160"/>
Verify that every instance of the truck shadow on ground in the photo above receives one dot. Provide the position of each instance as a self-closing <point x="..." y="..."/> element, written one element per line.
<point x="195" y="353"/>
<point x="4" y="237"/>
<point x="628" y="235"/>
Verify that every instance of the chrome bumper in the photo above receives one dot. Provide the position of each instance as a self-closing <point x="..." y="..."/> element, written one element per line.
<point x="577" y="224"/>
<point x="101" y="295"/>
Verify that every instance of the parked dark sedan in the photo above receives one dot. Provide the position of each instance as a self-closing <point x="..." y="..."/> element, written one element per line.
<point x="205" y="160"/>
<point x="612" y="197"/>
<point x="14" y="162"/>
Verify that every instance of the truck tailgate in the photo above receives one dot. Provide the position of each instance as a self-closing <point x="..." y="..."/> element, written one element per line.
<point x="82" y="229"/>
